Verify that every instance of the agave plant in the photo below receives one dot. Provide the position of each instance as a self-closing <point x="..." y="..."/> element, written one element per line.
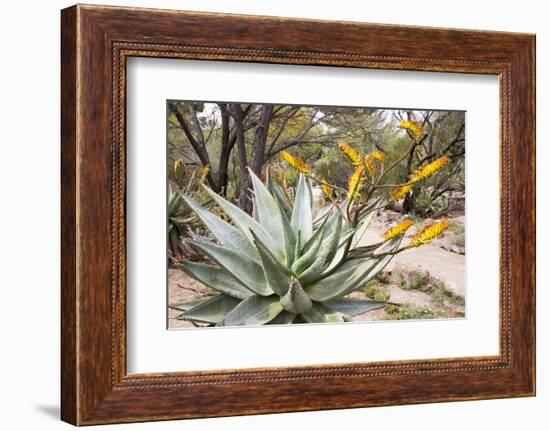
<point x="272" y="269"/>
<point x="182" y="221"/>
<point x="286" y="264"/>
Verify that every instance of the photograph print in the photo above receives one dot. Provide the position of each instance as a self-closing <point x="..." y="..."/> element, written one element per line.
<point x="294" y="214"/>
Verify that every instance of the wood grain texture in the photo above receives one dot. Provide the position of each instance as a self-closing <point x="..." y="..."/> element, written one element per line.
<point x="96" y="41"/>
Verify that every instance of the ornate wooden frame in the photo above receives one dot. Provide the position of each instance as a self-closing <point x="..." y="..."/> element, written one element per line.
<point x="96" y="41"/>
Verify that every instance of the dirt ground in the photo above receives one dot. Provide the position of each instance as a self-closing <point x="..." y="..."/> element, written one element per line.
<point x="423" y="283"/>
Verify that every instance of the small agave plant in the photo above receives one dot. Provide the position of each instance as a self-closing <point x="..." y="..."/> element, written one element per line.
<point x="181" y="219"/>
<point x="287" y="264"/>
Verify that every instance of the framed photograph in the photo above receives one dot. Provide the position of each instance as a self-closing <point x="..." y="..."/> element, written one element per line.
<point x="268" y="215"/>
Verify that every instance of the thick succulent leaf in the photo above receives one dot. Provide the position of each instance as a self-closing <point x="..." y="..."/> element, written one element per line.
<point x="278" y="277"/>
<point x="290" y="239"/>
<point x="256" y="310"/>
<point x="296" y="300"/>
<point x="266" y="207"/>
<point x="320" y="215"/>
<point x="187" y="305"/>
<point x="296" y="248"/>
<point x="301" y="220"/>
<point x="212" y="311"/>
<point x="368" y="275"/>
<point x="362" y="228"/>
<point x="339" y="281"/>
<point x="286" y="211"/>
<point x="320" y="314"/>
<point x="365" y="269"/>
<point x="246" y="223"/>
<point x="270" y="214"/>
<point x="239" y="266"/>
<point x="216" y="278"/>
<point x="338" y="256"/>
<point x="333" y="241"/>
<point x="227" y="235"/>
<point x="353" y="307"/>
<point x="327" y="252"/>
<point x="276" y="190"/>
<point x="312" y="242"/>
<point x="283" y="318"/>
<point x="301" y="264"/>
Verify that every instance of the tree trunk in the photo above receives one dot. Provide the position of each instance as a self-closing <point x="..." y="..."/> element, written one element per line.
<point x="243" y="200"/>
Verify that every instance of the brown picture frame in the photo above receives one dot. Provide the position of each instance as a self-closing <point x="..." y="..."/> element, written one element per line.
<point x="95" y="43"/>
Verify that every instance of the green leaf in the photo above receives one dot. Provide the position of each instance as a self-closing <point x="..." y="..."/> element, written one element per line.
<point x="239" y="266"/>
<point x="369" y="274"/>
<point x="296" y="300"/>
<point x="340" y="250"/>
<point x="353" y="307"/>
<point x="216" y="278"/>
<point x="266" y="208"/>
<point x="362" y="228"/>
<point x="352" y="275"/>
<point x="312" y="241"/>
<point x="279" y="194"/>
<point x="187" y="305"/>
<point x="246" y="223"/>
<point x="328" y="250"/>
<point x="255" y="310"/>
<point x="270" y="214"/>
<point x="320" y="314"/>
<point x="309" y="257"/>
<point x="301" y="220"/>
<point x="277" y="276"/>
<point x="226" y="234"/>
<point x="320" y="215"/>
<point x="211" y="311"/>
<point x="289" y="238"/>
<point x="340" y="281"/>
<point x="283" y="318"/>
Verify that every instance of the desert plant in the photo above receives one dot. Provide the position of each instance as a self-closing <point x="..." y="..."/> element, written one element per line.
<point x="182" y="222"/>
<point x="286" y="264"/>
<point x="270" y="269"/>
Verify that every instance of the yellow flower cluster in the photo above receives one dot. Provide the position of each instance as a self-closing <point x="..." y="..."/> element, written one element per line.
<point x="371" y="166"/>
<point x="378" y="155"/>
<point x="413" y="127"/>
<point x="429" y="233"/>
<point x="178" y="164"/>
<point x="351" y="154"/>
<point x="398" y="229"/>
<point x="428" y="170"/>
<point x="327" y="190"/>
<point x="296" y="162"/>
<point x="354" y="182"/>
<point x="204" y="172"/>
<point x="400" y="192"/>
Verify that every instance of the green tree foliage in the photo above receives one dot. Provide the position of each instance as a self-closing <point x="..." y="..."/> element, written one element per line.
<point x="229" y="137"/>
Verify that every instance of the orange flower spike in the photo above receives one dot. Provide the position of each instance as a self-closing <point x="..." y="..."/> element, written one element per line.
<point x="398" y="229"/>
<point x="429" y="233"/>
<point x="296" y="162"/>
<point x="378" y="155"/>
<point x="355" y="182"/>
<point x="351" y="154"/>
<point x="371" y="166"/>
<point x="400" y="192"/>
<point x="328" y="191"/>
<point x="429" y="170"/>
<point x="413" y="127"/>
<point x="204" y="172"/>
